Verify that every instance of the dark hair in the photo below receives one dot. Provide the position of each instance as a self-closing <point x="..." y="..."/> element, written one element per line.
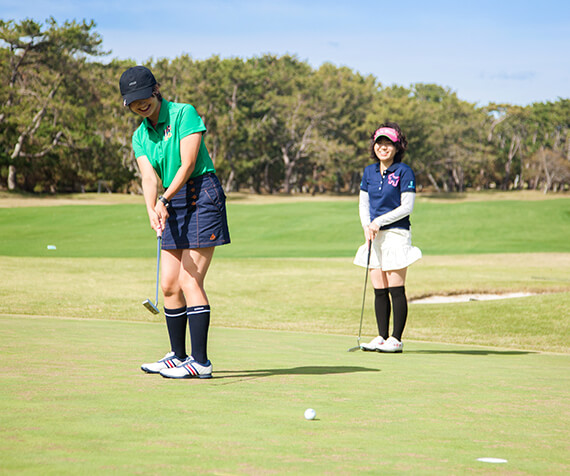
<point x="156" y="92"/>
<point x="401" y="146"/>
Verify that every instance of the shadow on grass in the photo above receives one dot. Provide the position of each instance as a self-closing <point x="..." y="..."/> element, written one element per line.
<point x="472" y="352"/>
<point x="309" y="370"/>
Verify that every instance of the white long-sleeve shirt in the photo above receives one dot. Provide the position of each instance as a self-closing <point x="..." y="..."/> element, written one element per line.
<point x="405" y="209"/>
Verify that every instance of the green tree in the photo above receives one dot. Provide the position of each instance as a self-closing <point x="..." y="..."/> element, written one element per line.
<point x="273" y="123"/>
<point x="345" y="99"/>
<point x="48" y="94"/>
<point x="531" y="144"/>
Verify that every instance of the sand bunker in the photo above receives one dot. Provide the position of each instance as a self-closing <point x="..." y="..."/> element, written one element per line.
<point x="467" y="297"/>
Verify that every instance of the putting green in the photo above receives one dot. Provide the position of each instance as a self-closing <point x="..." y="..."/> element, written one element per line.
<point x="73" y="401"/>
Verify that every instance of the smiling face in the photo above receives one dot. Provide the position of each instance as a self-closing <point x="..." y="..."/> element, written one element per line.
<point x="385" y="151"/>
<point x="149" y="108"/>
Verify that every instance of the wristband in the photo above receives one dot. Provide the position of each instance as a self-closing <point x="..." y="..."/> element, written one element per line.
<point x="164" y="201"/>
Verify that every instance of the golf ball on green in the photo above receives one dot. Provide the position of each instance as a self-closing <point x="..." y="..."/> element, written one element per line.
<point x="310" y="414"/>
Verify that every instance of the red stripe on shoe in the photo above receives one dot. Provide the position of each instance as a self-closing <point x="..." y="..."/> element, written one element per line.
<point x="191" y="369"/>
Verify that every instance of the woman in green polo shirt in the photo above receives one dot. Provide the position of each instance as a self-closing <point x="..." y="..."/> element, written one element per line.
<point x="190" y="215"/>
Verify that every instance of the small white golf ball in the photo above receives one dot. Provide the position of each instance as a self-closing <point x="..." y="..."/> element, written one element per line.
<point x="310" y="414"/>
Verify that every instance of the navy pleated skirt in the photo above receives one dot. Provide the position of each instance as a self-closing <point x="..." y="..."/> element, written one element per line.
<point x="198" y="217"/>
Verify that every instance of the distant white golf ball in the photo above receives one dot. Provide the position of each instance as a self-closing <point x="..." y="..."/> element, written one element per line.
<point x="310" y="414"/>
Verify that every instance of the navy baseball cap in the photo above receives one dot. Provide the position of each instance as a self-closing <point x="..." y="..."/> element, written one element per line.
<point x="136" y="83"/>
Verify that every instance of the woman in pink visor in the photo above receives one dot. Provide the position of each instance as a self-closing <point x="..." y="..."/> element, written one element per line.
<point x="387" y="194"/>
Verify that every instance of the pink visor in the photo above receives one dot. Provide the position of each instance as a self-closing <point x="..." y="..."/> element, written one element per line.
<point x="388" y="132"/>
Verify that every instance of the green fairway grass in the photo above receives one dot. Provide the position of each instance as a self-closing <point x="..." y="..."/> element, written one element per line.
<point x="314" y="295"/>
<point x="476" y="379"/>
<point x="74" y="401"/>
<point x="292" y="229"/>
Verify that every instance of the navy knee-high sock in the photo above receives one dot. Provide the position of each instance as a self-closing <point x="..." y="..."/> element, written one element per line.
<point x="199" y="324"/>
<point x="400" y="306"/>
<point x="382" y="311"/>
<point x="176" y="324"/>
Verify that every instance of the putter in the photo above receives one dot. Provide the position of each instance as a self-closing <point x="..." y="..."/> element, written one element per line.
<point x="148" y="303"/>
<point x="354" y="349"/>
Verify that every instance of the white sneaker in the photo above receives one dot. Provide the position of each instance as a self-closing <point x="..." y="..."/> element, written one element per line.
<point x="391" y="345"/>
<point x="374" y="344"/>
<point x="189" y="369"/>
<point x="169" y="361"/>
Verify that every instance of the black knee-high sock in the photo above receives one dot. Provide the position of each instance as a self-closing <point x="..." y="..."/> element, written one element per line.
<point x="199" y="323"/>
<point x="176" y="324"/>
<point x="382" y="310"/>
<point x="400" y="306"/>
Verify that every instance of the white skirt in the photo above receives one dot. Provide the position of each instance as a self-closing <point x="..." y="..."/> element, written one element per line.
<point x="391" y="249"/>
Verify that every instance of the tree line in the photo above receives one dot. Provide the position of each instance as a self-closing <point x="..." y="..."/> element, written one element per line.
<point x="275" y="124"/>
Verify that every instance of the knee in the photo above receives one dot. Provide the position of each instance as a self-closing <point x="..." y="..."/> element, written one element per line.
<point x="191" y="283"/>
<point x="170" y="287"/>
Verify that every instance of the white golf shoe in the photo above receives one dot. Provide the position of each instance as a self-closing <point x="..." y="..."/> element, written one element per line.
<point x="374" y="345"/>
<point x="169" y="361"/>
<point x="189" y="369"/>
<point x="391" y="344"/>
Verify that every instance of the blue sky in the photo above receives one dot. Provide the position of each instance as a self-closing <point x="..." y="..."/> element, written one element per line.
<point x="516" y="52"/>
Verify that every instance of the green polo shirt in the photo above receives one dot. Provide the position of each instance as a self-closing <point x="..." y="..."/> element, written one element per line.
<point x="161" y="145"/>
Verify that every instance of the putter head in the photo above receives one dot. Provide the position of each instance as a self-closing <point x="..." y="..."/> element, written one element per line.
<point x="354" y="349"/>
<point x="150" y="306"/>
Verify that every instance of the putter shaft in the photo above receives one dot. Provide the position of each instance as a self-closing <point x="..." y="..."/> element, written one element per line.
<point x="153" y="307"/>
<point x="353" y="349"/>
